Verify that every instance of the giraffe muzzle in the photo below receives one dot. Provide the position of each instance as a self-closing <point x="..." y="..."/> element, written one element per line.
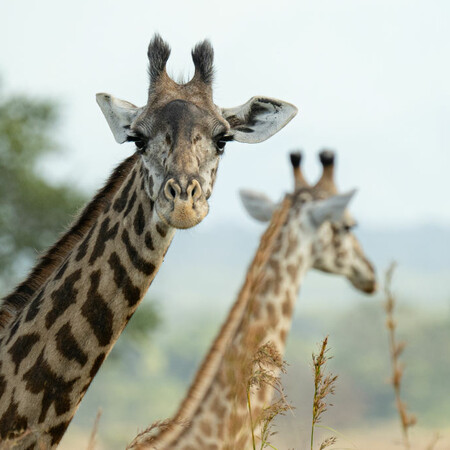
<point x="182" y="206"/>
<point x="364" y="282"/>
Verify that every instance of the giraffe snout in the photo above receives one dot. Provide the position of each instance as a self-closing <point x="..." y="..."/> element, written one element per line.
<point x="364" y="280"/>
<point x="182" y="204"/>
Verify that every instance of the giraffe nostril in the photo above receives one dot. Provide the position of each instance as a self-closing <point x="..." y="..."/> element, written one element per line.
<point x="172" y="190"/>
<point x="194" y="190"/>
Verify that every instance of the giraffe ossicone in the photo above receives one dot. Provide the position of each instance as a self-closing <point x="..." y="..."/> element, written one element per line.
<point x="58" y="326"/>
<point x="316" y="233"/>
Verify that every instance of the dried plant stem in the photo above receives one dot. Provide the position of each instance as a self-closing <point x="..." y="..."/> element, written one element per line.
<point x="251" y="418"/>
<point x="316" y="392"/>
<point x="91" y="443"/>
<point x="395" y="349"/>
<point x="312" y="426"/>
<point x="324" y="385"/>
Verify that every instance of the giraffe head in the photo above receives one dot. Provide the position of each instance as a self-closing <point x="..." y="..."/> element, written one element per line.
<point x="320" y="215"/>
<point x="180" y="133"/>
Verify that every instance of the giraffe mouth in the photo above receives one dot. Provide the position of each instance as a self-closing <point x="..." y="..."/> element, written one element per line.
<point x="365" y="281"/>
<point x="182" y="214"/>
<point x="366" y="286"/>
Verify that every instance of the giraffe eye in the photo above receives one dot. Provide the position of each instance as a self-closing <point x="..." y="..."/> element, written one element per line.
<point x="221" y="141"/>
<point x="220" y="144"/>
<point x="349" y="227"/>
<point x="140" y="144"/>
<point x="139" y="140"/>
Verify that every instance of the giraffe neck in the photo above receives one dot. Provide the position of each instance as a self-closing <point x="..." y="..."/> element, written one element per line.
<point x="52" y="350"/>
<point x="221" y="411"/>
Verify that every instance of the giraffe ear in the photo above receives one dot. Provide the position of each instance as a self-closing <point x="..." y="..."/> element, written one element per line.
<point x="258" y="205"/>
<point x="332" y="208"/>
<point x="119" y="114"/>
<point x="258" y="119"/>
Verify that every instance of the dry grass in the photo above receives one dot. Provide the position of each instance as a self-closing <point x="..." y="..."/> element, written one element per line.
<point x="324" y="385"/>
<point x="266" y="361"/>
<point x="396" y="348"/>
<point x="92" y="438"/>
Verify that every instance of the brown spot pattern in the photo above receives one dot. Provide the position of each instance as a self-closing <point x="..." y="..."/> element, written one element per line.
<point x="150" y="185"/>
<point x="272" y="315"/>
<point x="267" y="285"/>
<point x="61" y="271"/>
<point x="121" y="201"/>
<point x="275" y="266"/>
<point x="139" y="220"/>
<point x="12" y="423"/>
<point x="292" y="271"/>
<point x="57" y="432"/>
<point x="21" y="348"/>
<point x="147" y="268"/>
<point x="67" y="345"/>
<point x="13" y="331"/>
<point x="63" y="298"/>
<point x="131" y="293"/>
<point x="104" y="235"/>
<point x="205" y="428"/>
<point x="130" y="205"/>
<point x="97" y="364"/>
<point x="34" y="307"/>
<point x="149" y="241"/>
<point x="292" y="244"/>
<point x="97" y="312"/>
<point x="255" y="309"/>
<point x="161" y="229"/>
<point x="286" y="307"/>
<point x="82" y="249"/>
<point x="55" y="390"/>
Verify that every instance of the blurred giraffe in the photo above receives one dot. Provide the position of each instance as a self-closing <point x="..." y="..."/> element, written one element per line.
<point x="316" y="234"/>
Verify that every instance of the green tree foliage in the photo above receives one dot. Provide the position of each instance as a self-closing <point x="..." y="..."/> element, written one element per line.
<point x="32" y="210"/>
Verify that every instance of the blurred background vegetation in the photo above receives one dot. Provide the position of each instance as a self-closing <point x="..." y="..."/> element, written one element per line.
<point x="32" y="211"/>
<point x="153" y="362"/>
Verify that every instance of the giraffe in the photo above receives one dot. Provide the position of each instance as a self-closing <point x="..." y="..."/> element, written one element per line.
<point x="315" y="234"/>
<point x="58" y="326"/>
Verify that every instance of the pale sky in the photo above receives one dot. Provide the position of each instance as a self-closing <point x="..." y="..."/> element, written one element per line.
<point x="371" y="80"/>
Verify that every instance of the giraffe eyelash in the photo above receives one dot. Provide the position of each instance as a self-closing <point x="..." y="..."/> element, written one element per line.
<point x="140" y="141"/>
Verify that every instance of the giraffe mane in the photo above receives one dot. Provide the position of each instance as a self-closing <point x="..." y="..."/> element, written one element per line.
<point x="12" y="304"/>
